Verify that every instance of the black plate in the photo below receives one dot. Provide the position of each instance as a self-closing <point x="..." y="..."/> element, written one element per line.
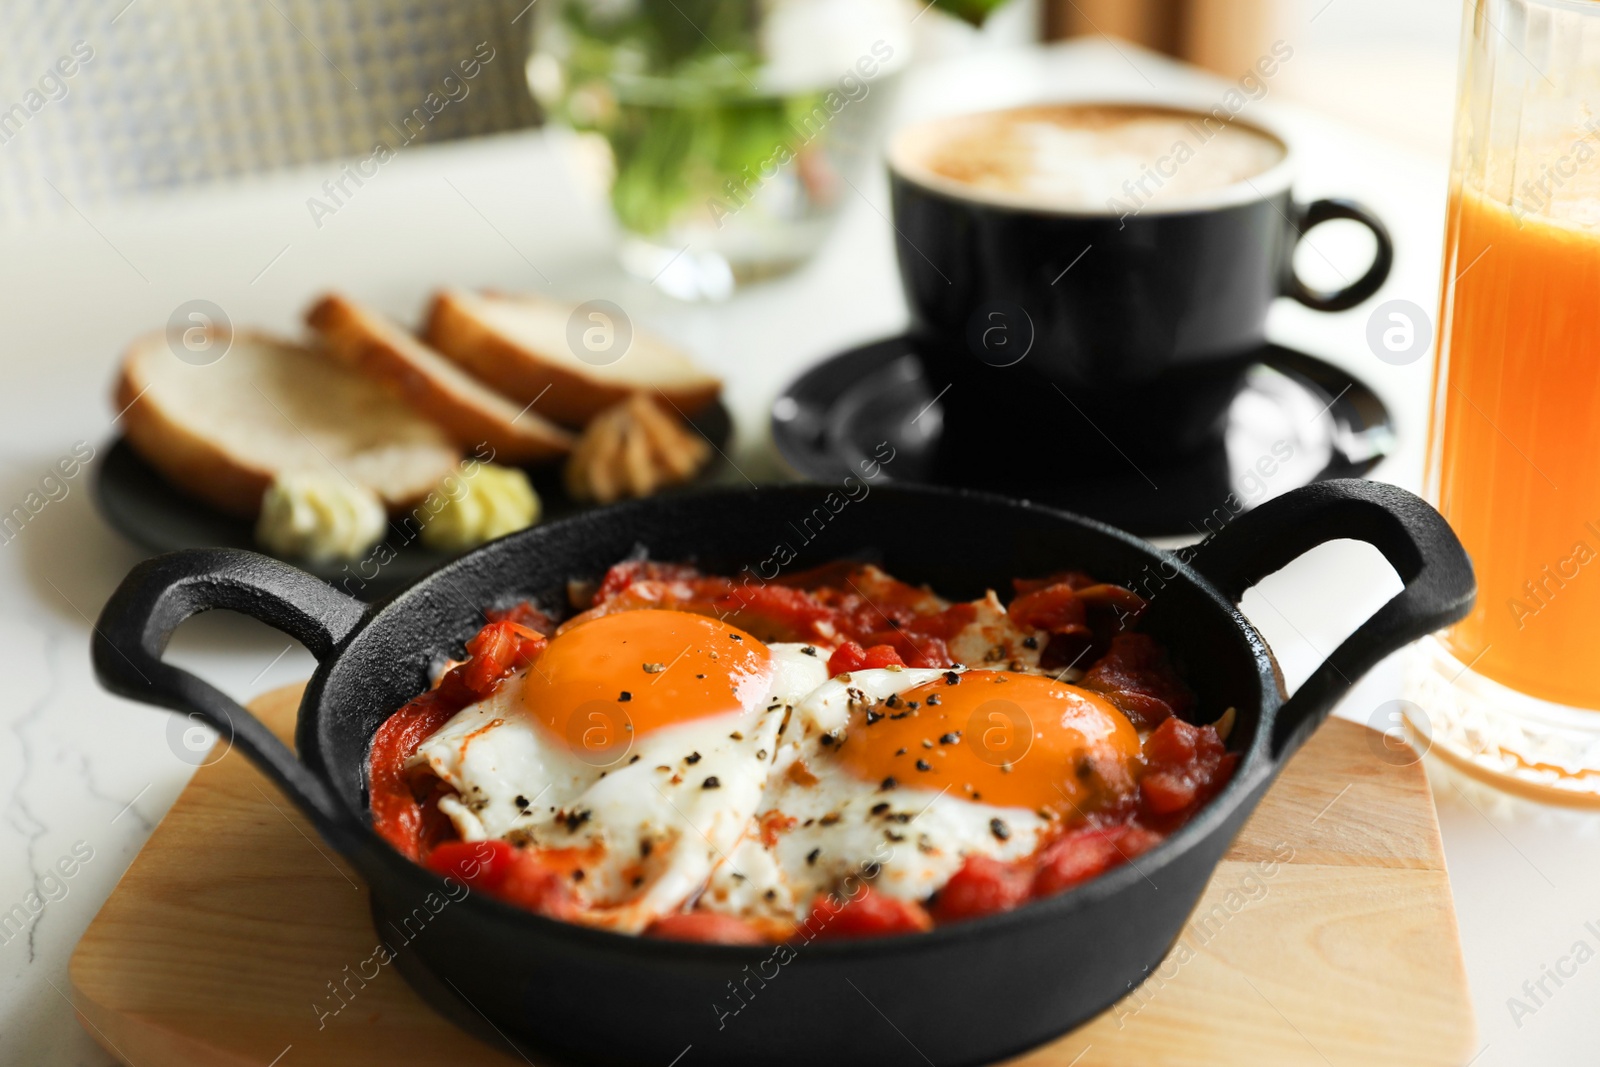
<point x="150" y="511"/>
<point x="964" y="993"/>
<point x="842" y="411"/>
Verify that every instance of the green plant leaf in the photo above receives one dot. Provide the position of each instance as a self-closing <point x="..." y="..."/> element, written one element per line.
<point x="973" y="11"/>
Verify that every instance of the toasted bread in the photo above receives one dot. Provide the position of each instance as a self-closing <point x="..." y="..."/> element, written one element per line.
<point x="471" y="412"/>
<point x="520" y="345"/>
<point x="224" y="430"/>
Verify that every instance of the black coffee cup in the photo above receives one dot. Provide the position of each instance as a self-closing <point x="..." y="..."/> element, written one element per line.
<point x="1122" y="307"/>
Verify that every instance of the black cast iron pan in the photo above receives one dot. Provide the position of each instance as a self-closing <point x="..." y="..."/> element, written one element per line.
<point x="961" y="994"/>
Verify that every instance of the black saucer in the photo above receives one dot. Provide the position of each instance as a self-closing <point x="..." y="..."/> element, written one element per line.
<point x="148" y="510"/>
<point x="1293" y="419"/>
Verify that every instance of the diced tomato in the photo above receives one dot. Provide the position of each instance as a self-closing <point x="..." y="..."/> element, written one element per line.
<point x="497" y="650"/>
<point x="481" y="864"/>
<point x="1071" y="579"/>
<point x="774" y="612"/>
<point x="623" y="575"/>
<point x="911" y="648"/>
<point x="1083" y="853"/>
<point x="1056" y="609"/>
<point x="867" y="914"/>
<point x="523" y="613"/>
<point x="833" y="575"/>
<point x="769" y="612"/>
<point x="1185" y="766"/>
<point x="850" y="656"/>
<point x="707" y="926"/>
<point x="982" y="886"/>
<point x="399" y="815"/>
<point x="1124" y="603"/>
<point x="535" y="884"/>
<point x="1135" y="675"/>
<point x="878" y="657"/>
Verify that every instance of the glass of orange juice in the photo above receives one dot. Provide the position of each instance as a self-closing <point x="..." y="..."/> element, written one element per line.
<point x="1513" y="691"/>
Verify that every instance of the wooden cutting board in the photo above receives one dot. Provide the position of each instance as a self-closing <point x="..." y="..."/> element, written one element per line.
<point x="1327" y="937"/>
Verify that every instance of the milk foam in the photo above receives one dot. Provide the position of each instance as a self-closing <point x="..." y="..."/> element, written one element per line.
<point x="1085" y="157"/>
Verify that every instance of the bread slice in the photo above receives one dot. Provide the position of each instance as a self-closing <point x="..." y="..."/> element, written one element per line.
<point x="519" y="345"/>
<point x="470" y="412"/>
<point x="222" y="431"/>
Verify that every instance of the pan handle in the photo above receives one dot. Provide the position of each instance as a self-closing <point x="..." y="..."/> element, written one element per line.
<point x="159" y="594"/>
<point x="1413" y="537"/>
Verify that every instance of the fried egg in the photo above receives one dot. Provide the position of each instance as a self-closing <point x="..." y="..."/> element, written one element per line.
<point x="897" y="775"/>
<point x="638" y="745"/>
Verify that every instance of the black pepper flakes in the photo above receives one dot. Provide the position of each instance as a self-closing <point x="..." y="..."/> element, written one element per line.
<point x="700" y="676"/>
<point x="999" y="829"/>
<point x="950" y="738"/>
<point x="913" y="705"/>
<point x="827" y="739"/>
<point x="873" y="716"/>
<point x="577" y="875"/>
<point x="646" y="847"/>
<point x="924" y="765"/>
<point x="811" y="857"/>
<point x="809" y="650"/>
<point x="899" y="752"/>
<point x="880" y="807"/>
<point x="829" y="819"/>
<point x="711" y="783"/>
<point x="893" y="701"/>
<point x="522" y="803"/>
<point x="1030" y="642"/>
<point x="888" y="784"/>
<point x="625" y="697"/>
<point x="735" y="637"/>
<point x="952" y="678"/>
<point x="933" y="699"/>
<point x="692" y="758"/>
<point x="634" y="760"/>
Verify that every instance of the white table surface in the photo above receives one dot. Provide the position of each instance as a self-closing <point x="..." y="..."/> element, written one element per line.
<point x="77" y="765"/>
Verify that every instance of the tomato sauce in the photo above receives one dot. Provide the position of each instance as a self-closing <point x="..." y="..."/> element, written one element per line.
<point x="868" y="620"/>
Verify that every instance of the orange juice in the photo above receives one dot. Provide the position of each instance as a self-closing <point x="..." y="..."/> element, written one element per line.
<point x="1515" y="444"/>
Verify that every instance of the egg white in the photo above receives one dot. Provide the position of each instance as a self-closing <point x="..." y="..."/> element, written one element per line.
<point x="648" y="818"/>
<point x="909" y="851"/>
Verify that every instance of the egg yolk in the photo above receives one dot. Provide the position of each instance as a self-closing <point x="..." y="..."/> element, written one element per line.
<point x="1013" y="740"/>
<point x="614" y="678"/>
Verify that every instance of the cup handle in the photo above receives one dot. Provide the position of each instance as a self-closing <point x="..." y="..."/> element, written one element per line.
<point x="1314" y="214"/>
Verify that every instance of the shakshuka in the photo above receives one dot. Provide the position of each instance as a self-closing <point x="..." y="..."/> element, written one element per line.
<point x="833" y="754"/>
